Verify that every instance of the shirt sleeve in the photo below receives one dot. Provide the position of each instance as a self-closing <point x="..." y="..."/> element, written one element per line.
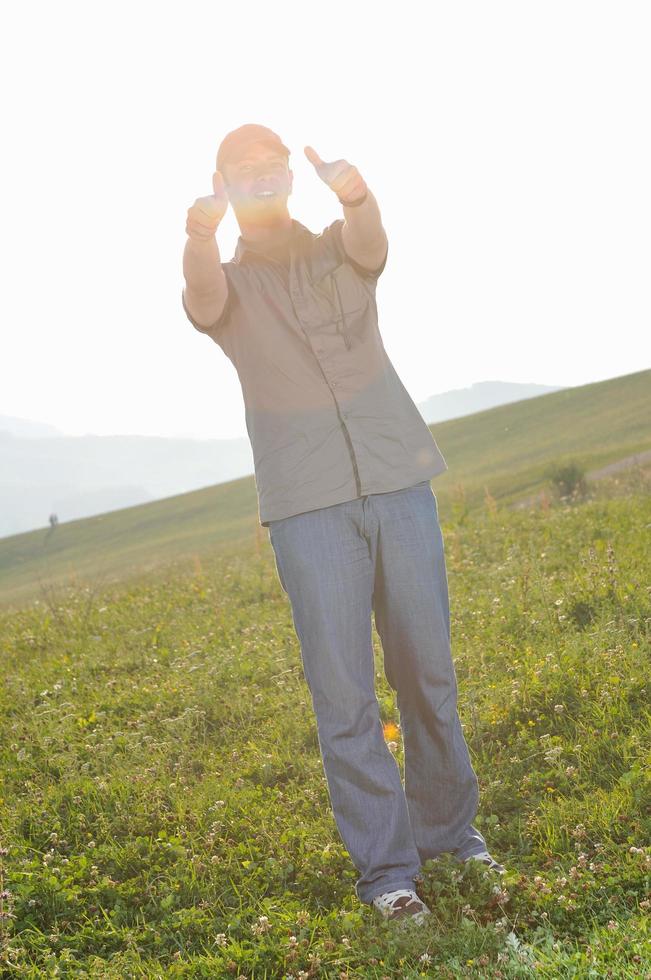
<point x="333" y="232"/>
<point x="219" y="323"/>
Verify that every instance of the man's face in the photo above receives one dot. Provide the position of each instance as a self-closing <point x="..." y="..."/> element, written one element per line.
<point x="260" y="182"/>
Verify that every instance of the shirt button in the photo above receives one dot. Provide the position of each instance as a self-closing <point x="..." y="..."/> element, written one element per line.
<point x="334" y="384"/>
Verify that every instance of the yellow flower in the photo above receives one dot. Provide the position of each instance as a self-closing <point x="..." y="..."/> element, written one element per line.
<point x="391" y="731"/>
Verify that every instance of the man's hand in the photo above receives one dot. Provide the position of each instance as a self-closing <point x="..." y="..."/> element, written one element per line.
<point x="344" y="179"/>
<point x="206" y="212"/>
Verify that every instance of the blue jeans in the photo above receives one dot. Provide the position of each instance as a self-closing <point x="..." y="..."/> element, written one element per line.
<point x="382" y="553"/>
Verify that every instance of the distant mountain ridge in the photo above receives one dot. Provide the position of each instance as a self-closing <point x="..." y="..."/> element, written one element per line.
<point x="478" y="397"/>
<point x="27" y="429"/>
<point x="45" y="471"/>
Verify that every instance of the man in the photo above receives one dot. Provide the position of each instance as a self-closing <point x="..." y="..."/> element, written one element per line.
<point x="343" y="462"/>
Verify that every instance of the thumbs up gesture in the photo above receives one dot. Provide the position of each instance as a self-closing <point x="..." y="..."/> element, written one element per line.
<point x="344" y="179"/>
<point x="206" y="212"/>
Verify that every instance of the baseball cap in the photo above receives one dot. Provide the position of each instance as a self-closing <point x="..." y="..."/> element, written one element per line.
<point x="234" y="144"/>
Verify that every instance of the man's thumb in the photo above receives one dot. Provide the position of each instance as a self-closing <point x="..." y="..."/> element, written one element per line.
<point x="313" y="156"/>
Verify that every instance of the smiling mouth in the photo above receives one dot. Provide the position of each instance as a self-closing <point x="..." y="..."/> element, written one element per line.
<point x="265" y="195"/>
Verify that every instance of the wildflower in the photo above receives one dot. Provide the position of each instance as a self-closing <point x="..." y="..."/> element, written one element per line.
<point x="221" y="939"/>
<point x="500" y="895"/>
<point x="425" y="958"/>
<point x="302" y="917"/>
<point x="636" y="850"/>
<point x="559" y="708"/>
<point x="391" y="731"/>
<point x="262" y="925"/>
<point x="293" y="941"/>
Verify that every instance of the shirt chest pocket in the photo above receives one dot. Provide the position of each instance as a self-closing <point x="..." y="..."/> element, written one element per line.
<point x="341" y="295"/>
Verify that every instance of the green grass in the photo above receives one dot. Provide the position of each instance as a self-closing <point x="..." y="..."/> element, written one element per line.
<point x="162" y="790"/>
<point x="509" y="448"/>
<point x="505" y="452"/>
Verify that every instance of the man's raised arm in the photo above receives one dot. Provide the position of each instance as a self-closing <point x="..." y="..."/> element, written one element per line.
<point x="363" y="235"/>
<point x="206" y="289"/>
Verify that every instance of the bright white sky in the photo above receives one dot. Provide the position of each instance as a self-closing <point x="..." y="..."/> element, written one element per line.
<point x="508" y="145"/>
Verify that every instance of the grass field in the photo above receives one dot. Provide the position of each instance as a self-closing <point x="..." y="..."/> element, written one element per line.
<point x="504" y="453"/>
<point x="164" y="811"/>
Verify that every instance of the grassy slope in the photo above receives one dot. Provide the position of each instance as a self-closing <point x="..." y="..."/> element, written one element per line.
<point x="509" y="447"/>
<point x="505" y="449"/>
<point x="162" y="787"/>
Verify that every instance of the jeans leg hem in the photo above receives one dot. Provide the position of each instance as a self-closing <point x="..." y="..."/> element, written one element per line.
<point x="465" y="857"/>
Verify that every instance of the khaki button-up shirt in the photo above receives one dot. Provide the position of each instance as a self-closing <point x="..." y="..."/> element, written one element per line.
<point x="328" y="418"/>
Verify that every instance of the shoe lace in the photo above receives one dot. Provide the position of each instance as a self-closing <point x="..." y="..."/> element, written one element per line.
<point x="388" y="899"/>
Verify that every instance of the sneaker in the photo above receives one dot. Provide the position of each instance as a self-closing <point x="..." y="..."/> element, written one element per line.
<point x="401" y="903"/>
<point x="486" y="859"/>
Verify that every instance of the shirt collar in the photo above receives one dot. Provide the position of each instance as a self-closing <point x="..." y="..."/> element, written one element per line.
<point x="245" y="249"/>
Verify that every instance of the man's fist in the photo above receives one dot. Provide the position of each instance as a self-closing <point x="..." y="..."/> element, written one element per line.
<point x="344" y="179"/>
<point x="206" y="212"/>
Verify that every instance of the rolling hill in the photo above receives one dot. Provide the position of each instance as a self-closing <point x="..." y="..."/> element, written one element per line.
<point x="505" y="451"/>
